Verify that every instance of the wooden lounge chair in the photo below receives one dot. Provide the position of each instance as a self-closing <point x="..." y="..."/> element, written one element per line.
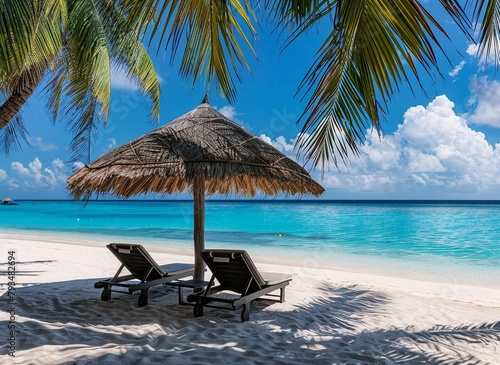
<point x="235" y="272"/>
<point x="144" y="272"/>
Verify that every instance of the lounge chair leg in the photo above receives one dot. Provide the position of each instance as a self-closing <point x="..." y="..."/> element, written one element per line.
<point x="106" y="294"/>
<point x="143" y="298"/>
<point x="245" y="313"/>
<point x="198" y="310"/>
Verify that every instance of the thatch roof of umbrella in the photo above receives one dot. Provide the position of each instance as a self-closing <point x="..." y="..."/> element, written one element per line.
<point x="201" y="143"/>
<point x="201" y="151"/>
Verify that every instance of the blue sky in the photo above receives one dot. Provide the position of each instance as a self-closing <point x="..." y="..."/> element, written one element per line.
<point x="443" y="143"/>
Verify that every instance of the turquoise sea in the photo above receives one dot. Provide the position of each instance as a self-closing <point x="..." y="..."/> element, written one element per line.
<point x="451" y="241"/>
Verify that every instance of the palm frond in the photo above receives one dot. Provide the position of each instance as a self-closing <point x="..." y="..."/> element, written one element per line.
<point x="31" y="33"/>
<point x="15" y="34"/>
<point x="90" y="59"/>
<point x="128" y="51"/>
<point x="487" y="16"/>
<point x="13" y="135"/>
<point x="294" y="14"/>
<point x="98" y="36"/>
<point x="51" y="23"/>
<point x="212" y="34"/>
<point x="371" y="50"/>
<point x="458" y="12"/>
<point x="83" y="124"/>
<point x="55" y="88"/>
<point x="73" y="95"/>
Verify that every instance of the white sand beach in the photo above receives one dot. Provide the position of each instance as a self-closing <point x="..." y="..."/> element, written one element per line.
<point x="329" y="317"/>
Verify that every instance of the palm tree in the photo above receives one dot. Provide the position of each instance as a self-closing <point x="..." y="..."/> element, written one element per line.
<point x="372" y="49"/>
<point x="71" y="45"/>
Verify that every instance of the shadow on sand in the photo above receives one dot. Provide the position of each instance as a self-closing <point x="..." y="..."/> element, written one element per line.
<point x="336" y="328"/>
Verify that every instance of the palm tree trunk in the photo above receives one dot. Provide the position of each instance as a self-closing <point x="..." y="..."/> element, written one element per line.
<point x="23" y="89"/>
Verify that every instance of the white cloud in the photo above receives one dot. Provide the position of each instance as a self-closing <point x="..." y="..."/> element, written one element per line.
<point x="121" y="81"/>
<point x="266" y="139"/>
<point x="280" y="144"/>
<point x="433" y="154"/>
<point x="3" y="175"/>
<point x="111" y="143"/>
<point x="485" y="95"/>
<point x="38" y="142"/>
<point x="12" y="184"/>
<point x="78" y="165"/>
<point x="483" y="61"/>
<point x="36" y="170"/>
<point x="457" y="69"/>
<point x="382" y="154"/>
<point x="228" y="111"/>
<point x="35" y="176"/>
<point x="19" y="168"/>
<point x="58" y="164"/>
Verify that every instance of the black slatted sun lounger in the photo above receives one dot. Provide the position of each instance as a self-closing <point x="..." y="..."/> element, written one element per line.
<point x="144" y="272"/>
<point x="235" y="273"/>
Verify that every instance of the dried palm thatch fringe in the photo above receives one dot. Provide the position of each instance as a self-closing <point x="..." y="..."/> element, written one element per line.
<point x="200" y="143"/>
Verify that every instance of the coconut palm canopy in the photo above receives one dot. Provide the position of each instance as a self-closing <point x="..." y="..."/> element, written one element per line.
<point x="201" y="151"/>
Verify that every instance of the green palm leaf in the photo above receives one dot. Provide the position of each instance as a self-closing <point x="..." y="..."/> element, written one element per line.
<point x="99" y="37"/>
<point x="12" y="135"/>
<point x="370" y="52"/>
<point x="76" y="42"/>
<point x="487" y="15"/>
<point x="211" y="34"/>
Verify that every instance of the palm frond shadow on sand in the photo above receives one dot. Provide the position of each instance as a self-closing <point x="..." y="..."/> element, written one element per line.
<point x="337" y="332"/>
<point x="338" y="327"/>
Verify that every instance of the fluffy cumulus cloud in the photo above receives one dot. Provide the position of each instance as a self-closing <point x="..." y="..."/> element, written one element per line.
<point x="483" y="59"/>
<point x="228" y="111"/>
<point x="280" y="144"/>
<point x="433" y="154"/>
<point x="485" y="95"/>
<point x="35" y="176"/>
<point x="3" y="175"/>
<point x="19" y="168"/>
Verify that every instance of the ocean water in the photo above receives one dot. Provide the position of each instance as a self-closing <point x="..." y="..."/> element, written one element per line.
<point x="455" y="241"/>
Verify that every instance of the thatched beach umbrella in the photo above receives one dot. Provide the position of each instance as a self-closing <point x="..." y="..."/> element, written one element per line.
<point x="201" y="151"/>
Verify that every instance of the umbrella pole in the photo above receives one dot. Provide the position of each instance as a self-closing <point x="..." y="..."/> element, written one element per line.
<point x="199" y="227"/>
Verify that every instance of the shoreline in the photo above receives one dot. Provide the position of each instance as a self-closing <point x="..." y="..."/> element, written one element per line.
<point x="329" y="316"/>
<point x="427" y="287"/>
<point x="383" y="267"/>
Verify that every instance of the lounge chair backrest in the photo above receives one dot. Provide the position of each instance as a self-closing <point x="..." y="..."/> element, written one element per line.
<point x="137" y="260"/>
<point x="233" y="269"/>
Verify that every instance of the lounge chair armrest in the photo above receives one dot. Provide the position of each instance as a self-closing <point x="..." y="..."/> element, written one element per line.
<point x="272" y="278"/>
<point x="102" y="283"/>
